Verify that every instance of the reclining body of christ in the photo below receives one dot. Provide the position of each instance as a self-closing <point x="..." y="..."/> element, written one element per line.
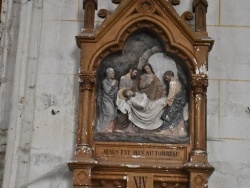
<point x="142" y="112"/>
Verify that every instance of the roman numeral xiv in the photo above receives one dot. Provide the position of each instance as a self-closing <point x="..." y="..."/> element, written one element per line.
<point x="140" y="181"/>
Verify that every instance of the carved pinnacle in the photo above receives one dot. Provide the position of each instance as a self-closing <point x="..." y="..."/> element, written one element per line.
<point x="93" y="1"/>
<point x="198" y="2"/>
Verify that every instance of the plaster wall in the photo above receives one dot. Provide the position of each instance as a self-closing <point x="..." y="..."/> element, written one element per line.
<point x="228" y="98"/>
<point x="39" y="90"/>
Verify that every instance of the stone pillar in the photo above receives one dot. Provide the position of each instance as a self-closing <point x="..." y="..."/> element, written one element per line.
<point x="83" y="161"/>
<point x="25" y="59"/>
<point x="10" y="15"/>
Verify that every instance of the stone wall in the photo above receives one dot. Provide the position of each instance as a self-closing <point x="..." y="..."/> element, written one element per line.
<point x="40" y="105"/>
<point x="228" y="98"/>
<point x="8" y="33"/>
<point x="39" y="89"/>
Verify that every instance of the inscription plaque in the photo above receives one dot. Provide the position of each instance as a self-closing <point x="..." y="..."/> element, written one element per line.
<point x="149" y="153"/>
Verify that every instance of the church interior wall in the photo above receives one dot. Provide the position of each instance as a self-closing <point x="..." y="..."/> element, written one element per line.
<point x="39" y="91"/>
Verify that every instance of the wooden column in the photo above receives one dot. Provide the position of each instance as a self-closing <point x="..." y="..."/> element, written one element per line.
<point x="87" y="83"/>
<point x="199" y="84"/>
<point x="199" y="88"/>
<point x="83" y="160"/>
<point x="198" y="167"/>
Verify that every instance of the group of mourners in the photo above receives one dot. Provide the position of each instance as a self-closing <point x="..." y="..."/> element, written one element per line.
<point x="141" y="105"/>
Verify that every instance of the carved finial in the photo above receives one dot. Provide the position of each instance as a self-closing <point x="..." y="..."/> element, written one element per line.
<point x="85" y="2"/>
<point x="103" y="13"/>
<point x="200" y="10"/>
<point x="89" y="18"/>
<point x="175" y="2"/>
<point x="187" y="15"/>
<point x="198" y="2"/>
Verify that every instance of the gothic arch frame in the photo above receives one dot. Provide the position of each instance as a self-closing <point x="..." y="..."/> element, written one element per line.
<point x="138" y="24"/>
<point x="89" y="165"/>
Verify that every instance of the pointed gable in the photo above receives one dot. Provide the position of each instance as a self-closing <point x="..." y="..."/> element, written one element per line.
<point x="158" y="16"/>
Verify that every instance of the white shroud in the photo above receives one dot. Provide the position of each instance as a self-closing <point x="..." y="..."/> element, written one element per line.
<point x="142" y="112"/>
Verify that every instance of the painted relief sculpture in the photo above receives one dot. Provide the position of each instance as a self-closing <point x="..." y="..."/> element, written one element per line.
<point x="143" y="74"/>
<point x="142" y="97"/>
<point x="173" y="117"/>
<point x="106" y="101"/>
<point x="150" y="84"/>
<point x="143" y="112"/>
<point x="129" y="82"/>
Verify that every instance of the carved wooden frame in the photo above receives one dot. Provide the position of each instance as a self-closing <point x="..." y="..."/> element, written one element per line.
<point x="90" y="168"/>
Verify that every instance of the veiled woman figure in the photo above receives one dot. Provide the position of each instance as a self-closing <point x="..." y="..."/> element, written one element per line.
<point x="150" y="84"/>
